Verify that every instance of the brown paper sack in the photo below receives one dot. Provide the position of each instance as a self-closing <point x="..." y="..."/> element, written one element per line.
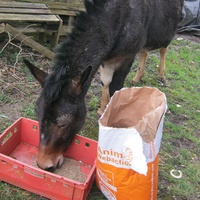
<point x="130" y="133"/>
<point x="141" y="108"/>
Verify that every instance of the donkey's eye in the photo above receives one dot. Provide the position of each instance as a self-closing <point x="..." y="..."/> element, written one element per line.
<point x="62" y="126"/>
<point x="72" y="98"/>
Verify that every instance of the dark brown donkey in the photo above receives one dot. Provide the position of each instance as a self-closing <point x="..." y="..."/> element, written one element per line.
<point x="109" y="34"/>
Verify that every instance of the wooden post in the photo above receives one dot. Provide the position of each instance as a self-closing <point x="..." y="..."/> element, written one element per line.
<point x="55" y="36"/>
<point x="29" y="42"/>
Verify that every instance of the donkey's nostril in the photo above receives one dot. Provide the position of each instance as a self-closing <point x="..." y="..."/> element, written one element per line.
<point x="50" y="164"/>
<point x="60" y="161"/>
<point x="50" y="169"/>
<point x="46" y="165"/>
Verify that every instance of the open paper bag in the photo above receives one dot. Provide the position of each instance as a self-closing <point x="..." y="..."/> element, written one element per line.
<point x="130" y="132"/>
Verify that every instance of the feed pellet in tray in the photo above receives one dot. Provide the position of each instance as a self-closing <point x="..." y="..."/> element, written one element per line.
<point x="75" y="170"/>
<point x="71" y="169"/>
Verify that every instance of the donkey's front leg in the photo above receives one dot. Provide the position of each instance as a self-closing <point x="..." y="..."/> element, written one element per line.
<point x="142" y="64"/>
<point x="106" y="74"/>
<point x="161" y="67"/>
<point x="105" y="98"/>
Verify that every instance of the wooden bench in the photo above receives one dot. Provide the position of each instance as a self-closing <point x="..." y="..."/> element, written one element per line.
<point x="67" y="12"/>
<point x="32" y="18"/>
<point x="66" y="9"/>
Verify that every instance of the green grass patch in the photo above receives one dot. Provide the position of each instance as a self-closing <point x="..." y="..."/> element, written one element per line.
<point x="28" y="111"/>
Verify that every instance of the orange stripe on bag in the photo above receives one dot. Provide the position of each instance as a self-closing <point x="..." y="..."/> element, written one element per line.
<point x="126" y="184"/>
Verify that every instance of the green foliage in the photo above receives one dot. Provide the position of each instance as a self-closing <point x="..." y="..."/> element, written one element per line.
<point x="4" y="99"/>
<point x="28" y="111"/>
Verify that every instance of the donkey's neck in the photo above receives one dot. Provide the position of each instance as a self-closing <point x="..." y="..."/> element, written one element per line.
<point x="83" y="49"/>
<point x="89" y="49"/>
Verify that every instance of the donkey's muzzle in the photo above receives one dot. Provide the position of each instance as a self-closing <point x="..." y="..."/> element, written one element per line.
<point x="49" y="162"/>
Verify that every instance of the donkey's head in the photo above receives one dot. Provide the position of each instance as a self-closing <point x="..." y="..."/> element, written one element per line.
<point x="61" y="112"/>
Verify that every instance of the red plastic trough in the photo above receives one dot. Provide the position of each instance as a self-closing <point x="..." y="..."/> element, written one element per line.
<point x="19" y="145"/>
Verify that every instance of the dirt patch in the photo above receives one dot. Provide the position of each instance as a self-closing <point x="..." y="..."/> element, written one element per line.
<point x="18" y="89"/>
<point x="183" y="143"/>
<point x="189" y="37"/>
<point x="11" y="110"/>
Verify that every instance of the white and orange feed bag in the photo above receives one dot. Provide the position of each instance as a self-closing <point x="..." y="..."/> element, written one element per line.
<point x="130" y="133"/>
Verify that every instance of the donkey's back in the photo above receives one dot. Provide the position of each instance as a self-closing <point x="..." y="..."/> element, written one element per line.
<point x="135" y="26"/>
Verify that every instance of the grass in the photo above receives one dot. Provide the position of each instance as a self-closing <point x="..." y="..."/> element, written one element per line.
<point x="29" y="111"/>
<point x="180" y="143"/>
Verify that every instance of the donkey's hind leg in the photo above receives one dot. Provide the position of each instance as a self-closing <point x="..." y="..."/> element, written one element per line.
<point x="141" y="68"/>
<point x="161" y="67"/>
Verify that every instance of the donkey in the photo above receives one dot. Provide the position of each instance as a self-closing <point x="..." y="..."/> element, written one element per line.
<point x="107" y="37"/>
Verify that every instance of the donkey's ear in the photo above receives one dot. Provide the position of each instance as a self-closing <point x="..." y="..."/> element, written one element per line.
<point x="39" y="75"/>
<point x="85" y="75"/>
<point x="78" y="82"/>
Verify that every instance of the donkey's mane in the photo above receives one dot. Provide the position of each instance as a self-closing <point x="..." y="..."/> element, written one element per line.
<point x="64" y="66"/>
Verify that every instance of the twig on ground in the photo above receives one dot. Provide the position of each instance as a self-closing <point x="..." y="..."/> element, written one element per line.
<point x="9" y="42"/>
<point x="8" y="85"/>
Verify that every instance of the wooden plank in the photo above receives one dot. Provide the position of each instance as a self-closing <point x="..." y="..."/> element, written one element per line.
<point x="58" y="33"/>
<point x="21" y="5"/>
<point x="73" y="5"/>
<point x="29" y="42"/>
<point x="65" y="7"/>
<point x="64" y="12"/>
<point x="2" y="28"/>
<point x="72" y="2"/>
<point x="31" y="29"/>
<point x="65" y="30"/>
<point x="68" y="9"/>
<point x="24" y="11"/>
<point x="28" y="18"/>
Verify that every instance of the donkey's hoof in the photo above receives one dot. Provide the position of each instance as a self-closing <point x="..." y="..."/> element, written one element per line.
<point x="136" y="79"/>
<point x="100" y="112"/>
<point x="134" y="82"/>
<point x="162" y="81"/>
